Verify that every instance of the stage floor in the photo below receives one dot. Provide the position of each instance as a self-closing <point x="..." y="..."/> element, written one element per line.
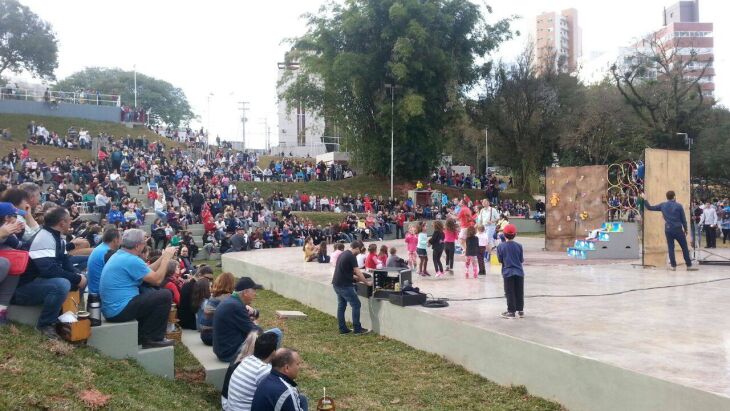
<point x="679" y="333"/>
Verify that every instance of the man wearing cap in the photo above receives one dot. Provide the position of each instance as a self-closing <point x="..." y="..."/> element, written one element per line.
<point x="235" y="318"/>
<point x="50" y="275"/>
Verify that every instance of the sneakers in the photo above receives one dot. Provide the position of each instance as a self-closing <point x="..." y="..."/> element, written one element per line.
<point x="426" y="274"/>
<point x="521" y="314"/>
<point x="345" y="332"/>
<point x="361" y="331"/>
<point x="690" y="268"/>
<point x="670" y="268"/>
<point x="158" y="344"/>
<point x="508" y="315"/>
<point x="49" y="331"/>
<point x="439" y="274"/>
<point x="3" y="317"/>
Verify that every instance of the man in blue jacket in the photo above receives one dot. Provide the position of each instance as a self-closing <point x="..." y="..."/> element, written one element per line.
<point x="49" y="276"/>
<point x="675" y="227"/>
<point x="115" y="216"/>
<point x="278" y="391"/>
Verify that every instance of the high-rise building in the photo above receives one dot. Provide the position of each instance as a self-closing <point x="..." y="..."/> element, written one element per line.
<point x="558" y="39"/>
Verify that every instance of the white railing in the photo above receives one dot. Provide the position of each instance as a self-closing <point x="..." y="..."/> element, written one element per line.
<point x="55" y="97"/>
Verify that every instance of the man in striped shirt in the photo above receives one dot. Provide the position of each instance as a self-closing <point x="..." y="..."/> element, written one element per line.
<point x="249" y="373"/>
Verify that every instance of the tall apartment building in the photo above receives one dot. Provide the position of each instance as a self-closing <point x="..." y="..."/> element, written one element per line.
<point x="558" y="34"/>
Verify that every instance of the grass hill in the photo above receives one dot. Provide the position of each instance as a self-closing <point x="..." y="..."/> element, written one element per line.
<point x="17" y="124"/>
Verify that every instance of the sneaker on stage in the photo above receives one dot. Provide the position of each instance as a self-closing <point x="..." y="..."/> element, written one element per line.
<point x="521" y="314"/>
<point x="508" y="315"/>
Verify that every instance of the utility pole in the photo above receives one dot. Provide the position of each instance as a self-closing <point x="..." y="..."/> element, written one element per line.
<point x="392" y="88"/>
<point x="135" y="86"/>
<point x="267" y="134"/>
<point x="243" y="107"/>
<point x="486" y="151"/>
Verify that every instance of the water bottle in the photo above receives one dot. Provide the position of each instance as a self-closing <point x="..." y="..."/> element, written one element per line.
<point x="94" y="309"/>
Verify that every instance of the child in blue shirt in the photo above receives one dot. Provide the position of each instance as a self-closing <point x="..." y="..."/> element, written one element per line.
<point x="510" y="255"/>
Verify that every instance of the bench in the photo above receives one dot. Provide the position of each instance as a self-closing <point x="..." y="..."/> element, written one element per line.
<point x="215" y="369"/>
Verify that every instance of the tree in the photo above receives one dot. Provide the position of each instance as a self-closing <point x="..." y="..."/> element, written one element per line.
<point x="711" y="153"/>
<point x="523" y="108"/>
<point x="662" y="83"/>
<point x="167" y="103"/>
<point x="428" y="50"/>
<point x="27" y="43"/>
<point x="603" y="130"/>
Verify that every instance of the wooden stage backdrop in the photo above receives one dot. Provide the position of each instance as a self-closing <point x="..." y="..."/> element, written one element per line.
<point x="575" y="200"/>
<point x="665" y="170"/>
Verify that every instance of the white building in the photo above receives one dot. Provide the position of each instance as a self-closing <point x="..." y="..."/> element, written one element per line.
<point x="300" y="130"/>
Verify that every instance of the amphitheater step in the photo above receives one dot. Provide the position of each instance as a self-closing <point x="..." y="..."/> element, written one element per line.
<point x="215" y="369"/>
<point x="117" y="340"/>
<point x="158" y="361"/>
<point x="27" y="315"/>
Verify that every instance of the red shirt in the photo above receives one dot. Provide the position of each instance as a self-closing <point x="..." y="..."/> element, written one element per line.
<point x="175" y="292"/>
<point x="465" y="219"/>
<point x="371" y="262"/>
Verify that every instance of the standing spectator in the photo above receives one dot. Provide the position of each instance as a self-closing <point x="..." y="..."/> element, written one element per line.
<point x="708" y="221"/>
<point x="675" y="227"/>
<point x="343" y="282"/>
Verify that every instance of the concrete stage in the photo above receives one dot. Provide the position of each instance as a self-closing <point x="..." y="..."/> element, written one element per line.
<point x="659" y="349"/>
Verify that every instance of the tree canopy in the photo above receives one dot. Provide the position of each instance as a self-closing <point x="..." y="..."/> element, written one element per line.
<point x="432" y="52"/>
<point x="27" y="43"/>
<point x="167" y="103"/>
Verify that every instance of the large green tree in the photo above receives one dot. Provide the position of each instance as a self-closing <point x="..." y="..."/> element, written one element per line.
<point x="27" y="43"/>
<point x="432" y="51"/>
<point x="167" y="103"/>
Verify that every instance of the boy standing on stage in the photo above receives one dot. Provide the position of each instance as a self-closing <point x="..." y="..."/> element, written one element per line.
<point x="510" y="255"/>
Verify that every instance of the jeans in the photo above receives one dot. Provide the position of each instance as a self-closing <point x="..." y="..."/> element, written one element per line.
<point x="48" y="292"/>
<point x="347" y="295"/>
<point x="151" y="309"/>
<point x="679" y="236"/>
<point x="514" y="290"/>
<point x="711" y="236"/>
<point x="399" y="232"/>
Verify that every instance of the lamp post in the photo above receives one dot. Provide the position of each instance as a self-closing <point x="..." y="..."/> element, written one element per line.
<point x="687" y="140"/>
<point x="392" y="88"/>
<point x="486" y="151"/>
<point x="135" y="86"/>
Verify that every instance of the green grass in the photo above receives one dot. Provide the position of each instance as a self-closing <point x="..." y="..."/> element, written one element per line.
<point x="374" y="186"/>
<point x="38" y="374"/>
<point x="17" y="124"/>
<point x="375" y="372"/>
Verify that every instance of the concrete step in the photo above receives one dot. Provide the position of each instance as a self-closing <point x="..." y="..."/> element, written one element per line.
<point x="215" y="369"/>
<point x="27" y="315"/>
<point x="117" y="340"/>
<point x="158" y="361"/>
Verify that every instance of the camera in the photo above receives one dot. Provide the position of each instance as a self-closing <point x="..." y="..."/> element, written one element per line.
<point x="255" y="314"/>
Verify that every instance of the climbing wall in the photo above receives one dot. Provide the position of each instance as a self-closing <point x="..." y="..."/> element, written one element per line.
<point x="575" y="203"/>
<point x="591" y="206"/>
<point x="560" y="193"/>
<point x="665" y="170"/>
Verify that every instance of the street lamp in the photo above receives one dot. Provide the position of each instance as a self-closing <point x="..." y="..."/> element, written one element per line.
<point x="392" y="88"/>
<point x="687" y="140"/>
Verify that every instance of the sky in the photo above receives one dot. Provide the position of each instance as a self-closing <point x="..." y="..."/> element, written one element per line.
<point x="221" y="52"/>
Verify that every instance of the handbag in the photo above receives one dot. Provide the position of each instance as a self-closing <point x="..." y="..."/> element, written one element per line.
<point x="18" y="260"/>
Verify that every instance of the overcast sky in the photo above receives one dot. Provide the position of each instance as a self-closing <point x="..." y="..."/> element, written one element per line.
<point x="230" y="48"/>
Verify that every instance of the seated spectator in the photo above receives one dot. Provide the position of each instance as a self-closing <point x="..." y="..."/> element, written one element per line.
<point x="221" y="290"/>
<point x="115" y="216"/>
<point x="234" y="319"/>
<point x="119" y="288"/>
<point x="248" y="372"/>
<point x="394" y="260"/>
<point x="279" y="389"/>
<point x="9" y="230"/>
<point x="192" y="295"/>
<point x="49" y="276"/>
<point x="95" y="264"/>
<point x="310" y="253"/>
<point x="322" y="256"/>
<point x="172" y="275"/>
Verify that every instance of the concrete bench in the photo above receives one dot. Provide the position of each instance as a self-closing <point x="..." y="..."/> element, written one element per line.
<point x="116" y="340"/>
<point x="215" y="369"/>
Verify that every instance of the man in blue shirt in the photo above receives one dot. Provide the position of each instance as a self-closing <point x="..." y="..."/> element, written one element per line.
<point x="121" y="300"/>
<point x="675" y="227"/>
<point x="111" y="240"/>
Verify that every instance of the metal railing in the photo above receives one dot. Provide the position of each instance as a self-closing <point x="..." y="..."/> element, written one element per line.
<point x="56" y="97"/>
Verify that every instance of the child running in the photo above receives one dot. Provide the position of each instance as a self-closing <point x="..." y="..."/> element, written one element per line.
<point x="510" y="255"/>
<point x="422" y="250"/>
<point x="472" y="250"/>
<point x="437" y="244"/>
<point x="411" y="245"/>
<point x="451" y="231"/>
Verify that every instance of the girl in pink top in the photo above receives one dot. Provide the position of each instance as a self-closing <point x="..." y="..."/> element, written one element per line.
<point x="451" y="232"/>
<point x="411" y="244"/>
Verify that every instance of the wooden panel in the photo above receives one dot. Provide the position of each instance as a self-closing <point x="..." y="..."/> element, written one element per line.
<point x="665" y="170"/>
<point x="560" y="194"/>
<point x="591" y="185"/>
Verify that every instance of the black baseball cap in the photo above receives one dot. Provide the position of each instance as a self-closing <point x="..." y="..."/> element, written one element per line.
<point x="245" y="283"/>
